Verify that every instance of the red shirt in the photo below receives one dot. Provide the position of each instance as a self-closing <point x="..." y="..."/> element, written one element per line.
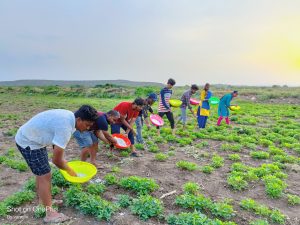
<point x="125" y="109"/>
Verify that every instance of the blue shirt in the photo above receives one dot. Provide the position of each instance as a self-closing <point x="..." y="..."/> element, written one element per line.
<point x="51" y="127"/>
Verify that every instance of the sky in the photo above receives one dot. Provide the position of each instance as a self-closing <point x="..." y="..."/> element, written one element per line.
<point x="249" y="42"/>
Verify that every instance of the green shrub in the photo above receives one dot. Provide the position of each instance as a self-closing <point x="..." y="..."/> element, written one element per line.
<point x="207" y="169"/>
<point x="124" y="200"/>
<point x="259" y="155"/>
<point x="95" y="188"/>
<point x="139" y="184"/>
<point x="110" y="179"/>
<point x="185" y="165"/>
<point x="161" y="157"/>
<point x="293" y="199"/>
<point x="217" y="161"/>
<point x="146" y="207"/>
<point x="274" y="186"/>
<point x="139" y="146"/>
<point x="124" y="153"/>
<point x="234" y="157"/>
<point x="195" y="202"/>
<point x="191" y="188"/>
<point x="237" y="182"/>
<point x="222" y="210"/>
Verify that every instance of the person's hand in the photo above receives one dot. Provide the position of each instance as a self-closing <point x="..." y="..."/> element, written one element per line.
<point x="111" y="146"/>
<point x="148" y="126"/>
<point x="71" y="172"/>
<point x="126" y="134"/>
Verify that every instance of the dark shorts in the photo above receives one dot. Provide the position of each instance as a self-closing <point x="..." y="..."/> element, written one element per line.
<point x="36" y="159"/>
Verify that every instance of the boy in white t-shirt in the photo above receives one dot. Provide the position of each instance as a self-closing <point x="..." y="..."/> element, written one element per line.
<point x="53" y="127"/>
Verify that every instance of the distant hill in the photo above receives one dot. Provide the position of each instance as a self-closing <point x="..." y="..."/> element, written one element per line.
<point x="87" y="83"/>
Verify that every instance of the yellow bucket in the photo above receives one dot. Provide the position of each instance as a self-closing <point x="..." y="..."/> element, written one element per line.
<point x="235" y="108"/>
<point x="175" y="102"/>
<point x="85" y="171"/>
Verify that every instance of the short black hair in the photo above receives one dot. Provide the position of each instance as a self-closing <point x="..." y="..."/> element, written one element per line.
<point x="87" y="112"/>
<point x="113" y="113"/>
<point x="171" y="81"/>
<point x="194" y="87"/>
<point x="139" y="101"/>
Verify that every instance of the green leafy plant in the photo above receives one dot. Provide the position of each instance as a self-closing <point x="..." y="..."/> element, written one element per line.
<point x="146" y="206"/>
<point x="195" y="202"/>
<point x="273" y="215"/>
<point x="207" y="169"/>
<point x="124" y="200"/>
<point x="124" y="153"/>
<point x="234" y="157"/>
<point x="274" y="186"/>
<point x="191" y="188"/>
<point x="161" y="157"/>
<point x="115" y="169"/>
<point x="185" y="165"/>
<point x="293" y="199"/>
<point x="237" y="182"/>
<point x="259" y="155"/>
<point x="139" y="184"/>
<point x="95" y="188"/>
<point x="110" y="179"/>
<point x="222" y="209"/>
<point x="217" y="161"/>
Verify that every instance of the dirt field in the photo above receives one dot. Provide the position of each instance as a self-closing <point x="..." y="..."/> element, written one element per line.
<point x="166" y="174"/>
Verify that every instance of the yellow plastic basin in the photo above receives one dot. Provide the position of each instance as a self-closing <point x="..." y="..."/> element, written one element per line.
<point x="175" y="102"/>
<point x="235" y="108"/>
<point x="85" y="171"/>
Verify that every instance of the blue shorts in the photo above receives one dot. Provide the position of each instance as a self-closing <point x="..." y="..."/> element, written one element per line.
<point x="36" y="159"/>
<point x="85" y="138"/>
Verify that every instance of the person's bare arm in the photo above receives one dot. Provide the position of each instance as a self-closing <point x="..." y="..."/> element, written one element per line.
<point x="132" y="121"/>
<point x="123" y="120"/>
<point x="60" y="162"/>
<point x="109" y="138"/>
<point x="101" y="136"/>
<point x="147" y="122"/>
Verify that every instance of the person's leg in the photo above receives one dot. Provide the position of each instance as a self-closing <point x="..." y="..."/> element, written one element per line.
<point x="89" y="146"/>
<point x="198" y="117"/>
<point x="227" y="120"/>
<point x="161" y="114"/>
<point x="219" y="120"/>
<point x="38" y="162"/>
<point x="85" y="142"/>
<point x="204" y="122"/>
<point x="200" y="121"/>
<point x="183" y="117"/>
<point x="171" y="120"/>
<point x="138" y="124"/>
<point x="131" y="138"/>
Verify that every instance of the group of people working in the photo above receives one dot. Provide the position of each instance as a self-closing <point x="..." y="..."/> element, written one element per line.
<point x="55" y="128"/>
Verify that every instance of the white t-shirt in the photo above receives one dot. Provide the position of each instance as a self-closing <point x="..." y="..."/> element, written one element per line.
<point x="52" y="127"/>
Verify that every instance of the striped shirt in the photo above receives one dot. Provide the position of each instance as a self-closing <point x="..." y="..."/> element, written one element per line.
<point x="164" y="104"/>
<point x="186" y="99"/>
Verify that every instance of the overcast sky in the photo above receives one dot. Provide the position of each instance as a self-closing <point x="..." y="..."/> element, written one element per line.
<point x="250" y="42"/>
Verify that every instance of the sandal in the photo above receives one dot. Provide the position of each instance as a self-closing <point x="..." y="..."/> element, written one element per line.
<point x="59" y="219"/>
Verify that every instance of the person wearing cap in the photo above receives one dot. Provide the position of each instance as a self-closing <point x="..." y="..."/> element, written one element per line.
<point x="143" y="115"/>
<point x="185" y="98"/>
<point x="224" y="104"/>
<point x="204" y="107"/>
<point x="88" y="140"/>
